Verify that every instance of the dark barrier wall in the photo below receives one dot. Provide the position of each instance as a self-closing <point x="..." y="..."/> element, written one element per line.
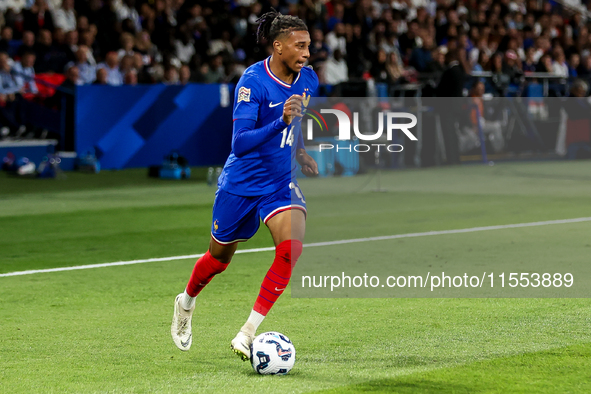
<point x="136" y="126"/>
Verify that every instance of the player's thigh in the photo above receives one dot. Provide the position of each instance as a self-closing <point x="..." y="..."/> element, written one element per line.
<point x="284" y="213"/>
<point x="235" y="219"/>
<point x="288" y="225"/>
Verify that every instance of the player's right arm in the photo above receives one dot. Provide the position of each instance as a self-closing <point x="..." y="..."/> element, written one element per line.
<point x="245" y="137"/>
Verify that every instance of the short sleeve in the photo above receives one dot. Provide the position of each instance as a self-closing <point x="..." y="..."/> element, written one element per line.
<point x="248" y="97"/>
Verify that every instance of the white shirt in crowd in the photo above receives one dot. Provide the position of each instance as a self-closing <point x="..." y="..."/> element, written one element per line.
<point x="333" y="42"/>
<point x="25" y="78"/>
<point x="64" y="19"/>
<point x="335" y="71"/>
<point x="114" y="76"/>
<point x="560" y="69"/>
<point x="184" y="52"/>
<point x="124" y="12"/>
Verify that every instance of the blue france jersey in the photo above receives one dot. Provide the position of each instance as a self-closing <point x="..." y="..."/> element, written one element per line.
<point x="260" y="96"/>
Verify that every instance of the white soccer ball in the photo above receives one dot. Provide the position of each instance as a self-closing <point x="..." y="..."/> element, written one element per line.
<point x="272" y="353"/>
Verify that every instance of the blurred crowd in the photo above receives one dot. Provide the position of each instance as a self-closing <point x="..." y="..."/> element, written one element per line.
<point x="119" y="42"/>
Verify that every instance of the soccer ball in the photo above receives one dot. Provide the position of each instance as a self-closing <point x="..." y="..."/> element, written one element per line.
<point x="272" y="353"/>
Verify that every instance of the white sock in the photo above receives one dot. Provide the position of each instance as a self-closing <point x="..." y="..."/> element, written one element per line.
<point x="187" y="302"/>
<point x="255" y="319"/>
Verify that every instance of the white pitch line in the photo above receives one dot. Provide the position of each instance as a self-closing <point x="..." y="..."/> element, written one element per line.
<point x="328" y="243"/>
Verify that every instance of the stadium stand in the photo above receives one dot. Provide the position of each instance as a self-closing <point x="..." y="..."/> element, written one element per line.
<point x="515" y="47"/>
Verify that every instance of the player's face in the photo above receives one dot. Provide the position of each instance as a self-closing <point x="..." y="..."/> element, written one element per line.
<point x="295" y="50"/>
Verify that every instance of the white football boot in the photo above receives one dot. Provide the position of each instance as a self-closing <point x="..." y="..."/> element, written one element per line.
<point x="242" y="343"/>
<point x="181" y="325"/>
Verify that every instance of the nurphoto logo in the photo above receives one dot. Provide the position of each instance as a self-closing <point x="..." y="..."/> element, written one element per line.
<point x="344" y="125"/>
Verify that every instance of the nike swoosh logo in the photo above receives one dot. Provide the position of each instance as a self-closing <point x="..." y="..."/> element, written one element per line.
<point x="276" y="289"/>
<point x="271" y="105"/>
<point x="185" y="344"/>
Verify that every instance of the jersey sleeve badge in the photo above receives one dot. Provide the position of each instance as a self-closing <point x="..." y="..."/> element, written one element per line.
<point x="244" y="94"/>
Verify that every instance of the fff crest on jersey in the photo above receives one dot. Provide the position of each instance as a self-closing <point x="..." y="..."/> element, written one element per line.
<point x="306" y="98"/>
<point x="244" y="94"/>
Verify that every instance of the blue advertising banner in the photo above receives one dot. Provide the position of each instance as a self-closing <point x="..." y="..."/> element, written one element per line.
<point x="136" y="126"/>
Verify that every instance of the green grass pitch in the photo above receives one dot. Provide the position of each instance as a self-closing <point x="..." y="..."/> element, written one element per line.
<point x="107" y="330"/>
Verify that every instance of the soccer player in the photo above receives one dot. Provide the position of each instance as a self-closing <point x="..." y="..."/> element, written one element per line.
<point x="258" y="179"/>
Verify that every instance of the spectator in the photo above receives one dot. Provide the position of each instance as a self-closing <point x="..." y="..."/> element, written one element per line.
<point x="573" y="64"/>
<point x="409" y="40"/>
<point x="559" y="66"/>
<point x="82" y="23"/>
<point x="111" y="64"/>
<point x="144" y="46"/>
<point x="10" y="107"/>
<point x="421" y="55"/>
<point x="65" y="100"/>
<point x="72" y="78"/>
<point x="394" y="69"/>
<point x="130" y="78"/>
<point x="86" y="70"/>
<point x="336" y="39"/>
<point x="482" y="62"/>
<point x="38" y="17"/>
<point x="500" y="79"/>
<point x="142" y="73"/>
<point x="101" y="77"/>
<point x="356" y="45"/>
<point x="338" y="14"/>
<point x="8" y="85"/>
<point x="28" y="44"/>
<point x="378" y="68"/>
<point x="451" y="87"/>
<point x="584" y="69"/>
<point x="127" y="44"/>
<point x="65" y="17"/>
<point x="512" y="67"/>
<point x="580" y="88"/>
<point x="318" y="49"/>
<point x="171" y="76"/>
<point x="24" y="74"/>
<point x="436" y="66"/>
<point x="233" y="72"/>
<point x="335" y="69"/>
<point x="49" y="57"/>
<point x="545" y="64"/>
<point x="126" y="10"/>
<point x="5" y="38"/>
<point x="222" y="45"/>
<point x="70" y="46"/>
<point x="126" y="64"/>
<point x="185" y="46"/>
<point x="529" y="64"/>
<point x="215" y="72"/>
<point x="492" y="130"/>
<point x="87" y="39"/>
<point x="184" y="74"/>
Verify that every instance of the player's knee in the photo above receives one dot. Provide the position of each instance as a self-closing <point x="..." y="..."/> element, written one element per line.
<point x="223" y="259"/>
<point x="216" y="266"/>
<point x="289" y="251"/>
<point x="222" y="253"/>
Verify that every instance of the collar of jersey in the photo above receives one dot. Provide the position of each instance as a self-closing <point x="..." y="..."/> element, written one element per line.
<point x="280" y="82"/>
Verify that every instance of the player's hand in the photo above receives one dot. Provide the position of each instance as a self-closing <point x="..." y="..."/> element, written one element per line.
<point x="292" y="108"/>
<point x="309" y="165"/>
